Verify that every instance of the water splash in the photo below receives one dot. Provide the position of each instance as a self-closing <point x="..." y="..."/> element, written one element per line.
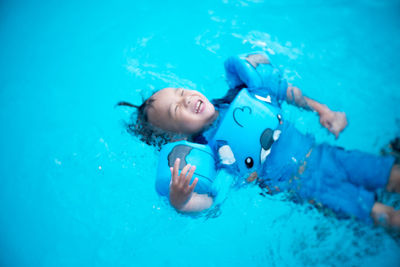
<point x="265" y="42"/>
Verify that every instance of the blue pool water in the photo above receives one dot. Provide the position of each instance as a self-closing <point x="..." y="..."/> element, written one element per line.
<point x="77" y="190"/>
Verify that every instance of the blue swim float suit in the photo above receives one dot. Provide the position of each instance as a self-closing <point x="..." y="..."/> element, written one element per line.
<point x="344" y="181"/>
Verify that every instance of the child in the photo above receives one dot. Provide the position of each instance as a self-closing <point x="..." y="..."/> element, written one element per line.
<point x="344" y="181"/>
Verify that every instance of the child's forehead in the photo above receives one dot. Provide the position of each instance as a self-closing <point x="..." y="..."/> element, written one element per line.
<point x="162" y="98"/>
<point x="169" y="89"/>
<point x="164" y="92"/>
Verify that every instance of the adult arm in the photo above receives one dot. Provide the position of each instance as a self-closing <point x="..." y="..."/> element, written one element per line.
<point x="334" y="121"/>
<point x="181" y="195"/>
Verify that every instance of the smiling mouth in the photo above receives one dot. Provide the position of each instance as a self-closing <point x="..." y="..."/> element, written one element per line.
<point x="198" y="106"/>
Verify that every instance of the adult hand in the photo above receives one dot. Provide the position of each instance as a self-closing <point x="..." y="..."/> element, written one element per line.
<point x="179" y="189"/>
<point x="334" y="121"/>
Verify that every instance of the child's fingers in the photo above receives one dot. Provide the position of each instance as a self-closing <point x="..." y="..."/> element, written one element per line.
<point x="336" y="133"/>
<point x="173" y="178"/>
<point x="193" y="185"/>
<point x="175" y="170"/>
<point x="189" y="176"/>
<point x="182" y="177"/>
<point x="328" y="125"/>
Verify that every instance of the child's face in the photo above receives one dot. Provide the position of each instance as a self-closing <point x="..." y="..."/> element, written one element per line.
<point x="180" y="110"/>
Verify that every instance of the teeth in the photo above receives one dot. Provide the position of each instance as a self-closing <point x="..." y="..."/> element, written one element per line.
<point x="198" y="106"/>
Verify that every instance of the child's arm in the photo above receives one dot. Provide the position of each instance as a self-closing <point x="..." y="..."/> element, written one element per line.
<point x="334" y="121"/>
<point x="181" y="195"/>
<point x="255" y="71"/>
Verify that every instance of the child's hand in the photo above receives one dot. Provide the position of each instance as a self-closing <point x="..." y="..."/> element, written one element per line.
<point x="334" y="121"/>
<point x="179" y="189"/>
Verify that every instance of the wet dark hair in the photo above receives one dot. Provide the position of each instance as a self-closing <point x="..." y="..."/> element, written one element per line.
<point x="140" y="126"/>
<point x="228" y="97"/>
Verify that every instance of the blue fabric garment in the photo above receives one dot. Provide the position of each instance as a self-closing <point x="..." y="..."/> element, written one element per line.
<point x="286" y="157"/>
<point x="342" y="180"/>
<point x="259" y="76"/>
<point x="286" y="153"/>
<point x="189" y="153"/>
<point x="255" y="70"/>
<point x="331" y="176"/>
<point x="255" y="118"/>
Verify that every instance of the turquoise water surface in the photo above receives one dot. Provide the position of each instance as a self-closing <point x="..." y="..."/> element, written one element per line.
<point x="78" y="190"/>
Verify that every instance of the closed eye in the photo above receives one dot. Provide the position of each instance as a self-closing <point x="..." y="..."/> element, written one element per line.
<point x="176" y="107"/>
